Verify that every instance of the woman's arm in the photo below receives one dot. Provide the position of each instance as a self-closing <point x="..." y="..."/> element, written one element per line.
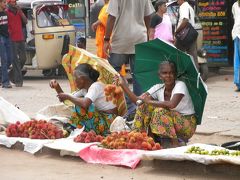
<point x="55" y="85"/>
<point x="151" y="33"/>
<point x="95" y="25"/>
<point x="166" y="104"/>
<point x="130" y="94"/>
<point x="82" y="102"/>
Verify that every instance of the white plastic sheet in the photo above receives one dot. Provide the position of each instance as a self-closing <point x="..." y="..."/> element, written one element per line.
<point x="10" y="114"/>
<point x="178" y="154"/>
<point x="30" y="145"/>
<point x="68" y="146"/>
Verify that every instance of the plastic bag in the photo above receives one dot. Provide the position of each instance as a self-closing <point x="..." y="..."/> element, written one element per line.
<point x="10" y="114"/>
<point x="119" y="124"/>
<point x="58" y="112"/>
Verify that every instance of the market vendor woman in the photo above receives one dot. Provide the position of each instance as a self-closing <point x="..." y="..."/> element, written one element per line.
<point x="92" y="110"/>
<point x="167" y="112"/>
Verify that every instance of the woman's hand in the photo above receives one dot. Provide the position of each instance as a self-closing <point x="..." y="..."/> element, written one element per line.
<point x="53" y="84"/>
<point x="107" y="48"/>
<point x="145" y="97"/>
<point x="63" y="96"/>
<point x="119" y="81"/>
<point x="94" y="26"/>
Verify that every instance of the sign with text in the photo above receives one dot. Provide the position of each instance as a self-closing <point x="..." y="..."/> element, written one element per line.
<point x="213" y="17"/>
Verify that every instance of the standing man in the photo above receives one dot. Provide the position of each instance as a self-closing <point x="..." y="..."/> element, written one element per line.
<point x="236" y="38"/>
<point x="5" y="46"/>
<point x="17" y="19"/>
<point x="100" y="27"/>
<point x="127" y="25"/>
<point x="186" y="14"/>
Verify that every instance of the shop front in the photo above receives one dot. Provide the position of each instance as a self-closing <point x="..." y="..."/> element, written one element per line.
<point x="217" y="23"/>
<point x="78" y="16"/>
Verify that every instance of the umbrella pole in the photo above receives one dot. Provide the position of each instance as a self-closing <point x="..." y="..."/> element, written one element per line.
<point x="140" y="102"/>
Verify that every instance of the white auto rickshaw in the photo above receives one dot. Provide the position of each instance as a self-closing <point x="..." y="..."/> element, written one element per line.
<point x="48" y="33"/>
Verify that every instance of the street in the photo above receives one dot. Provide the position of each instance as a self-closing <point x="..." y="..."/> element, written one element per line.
<point x="220" y="124"/>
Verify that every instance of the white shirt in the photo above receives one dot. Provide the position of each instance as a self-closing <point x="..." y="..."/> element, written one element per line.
<point x="185" y="106"/>
<point x="236" y="16"/>
<point x="80" y="93"/>
<point x="184" y="10"/>
<point x="129" y="28"/>
<point x="97" y="96"/>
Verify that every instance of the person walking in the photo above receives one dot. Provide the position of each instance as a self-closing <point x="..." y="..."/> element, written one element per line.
<point x="5" y="45"/>
<point x="100" y="27"/>
<point x="161" y="26"/>
<point x="186" y="14"/>
<point x="127" y="25"/>
<point x="16" y="20"/>
<point x="95" y="8"/>
<point x="236" y="39"/>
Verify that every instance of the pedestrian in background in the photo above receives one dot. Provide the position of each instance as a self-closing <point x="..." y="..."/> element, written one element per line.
<point x="236" y="38"/>
<point x="186" y="14"/>
<point x="100" y="27"/>
<point x="161" y="25"/>
<point x="128" y="24"/>
<point x="95" y="8"/>
<point x="16" y="20"/>
<point x="5" y="45"/>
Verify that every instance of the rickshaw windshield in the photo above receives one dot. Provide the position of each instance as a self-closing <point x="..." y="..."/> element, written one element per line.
<point x="52" y="15"/>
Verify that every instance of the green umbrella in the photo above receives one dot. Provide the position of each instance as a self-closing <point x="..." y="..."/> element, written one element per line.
<point x="148" y="57"/>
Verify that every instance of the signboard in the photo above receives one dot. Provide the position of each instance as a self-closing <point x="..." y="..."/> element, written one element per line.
<point x="214" y="18"/>
<point x="77" y="14"/>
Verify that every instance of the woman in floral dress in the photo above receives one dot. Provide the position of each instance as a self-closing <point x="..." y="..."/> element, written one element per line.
<point x="91" y="109"/>
<point x="167" y="111"/>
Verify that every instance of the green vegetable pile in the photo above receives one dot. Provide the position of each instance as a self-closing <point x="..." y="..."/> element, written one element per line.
<point x="198" y="150"/>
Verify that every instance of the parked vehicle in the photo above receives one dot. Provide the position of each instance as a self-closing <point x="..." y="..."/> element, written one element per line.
<point x="48" y="33"/>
